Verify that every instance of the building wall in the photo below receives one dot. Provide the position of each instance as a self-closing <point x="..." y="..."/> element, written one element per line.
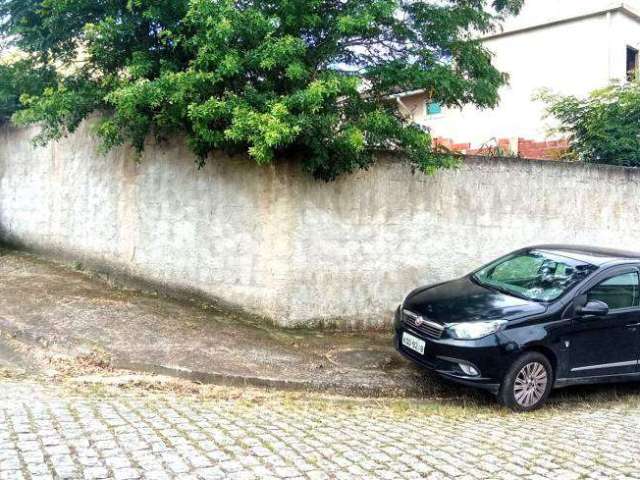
<point x="570" y="58"/>
<point x="625" y="32"/>
<point x="536" y="12"/>
<point x="298" y="251"/>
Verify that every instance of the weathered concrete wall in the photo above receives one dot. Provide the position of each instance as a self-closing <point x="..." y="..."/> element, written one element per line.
<point x="281" y="245"/>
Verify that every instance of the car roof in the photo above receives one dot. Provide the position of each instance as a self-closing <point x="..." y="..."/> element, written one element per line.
<point x="594" y="255"/>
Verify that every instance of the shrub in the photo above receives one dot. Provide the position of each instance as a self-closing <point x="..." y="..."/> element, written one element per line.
<point x="603" y="127"/>
<point x="306" y="78"/>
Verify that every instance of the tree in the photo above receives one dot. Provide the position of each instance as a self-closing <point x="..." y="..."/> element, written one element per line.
<point x="603" y="127"/>
<point x="20" y="76"/>
<point x="304" y="78"/>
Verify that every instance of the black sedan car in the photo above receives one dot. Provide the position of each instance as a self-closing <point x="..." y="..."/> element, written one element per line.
<point x="541" y="317"/>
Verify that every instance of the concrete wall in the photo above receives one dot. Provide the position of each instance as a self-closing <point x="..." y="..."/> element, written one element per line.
<point x="284" y="246"/>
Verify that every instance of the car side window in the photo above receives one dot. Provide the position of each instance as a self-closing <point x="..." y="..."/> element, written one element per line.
<point x="621" y="291"/>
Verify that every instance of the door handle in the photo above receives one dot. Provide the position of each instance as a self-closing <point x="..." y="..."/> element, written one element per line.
<point x="634" y="324"/>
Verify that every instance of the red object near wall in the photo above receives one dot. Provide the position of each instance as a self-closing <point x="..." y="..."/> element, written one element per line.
<point x="540" y="150"/>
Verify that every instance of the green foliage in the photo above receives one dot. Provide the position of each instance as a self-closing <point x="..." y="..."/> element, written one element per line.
<point x="59" y="108"/>
<point x="21" y="77"/>
<point x="602" y="128"/>
<point x="305" y="78"/>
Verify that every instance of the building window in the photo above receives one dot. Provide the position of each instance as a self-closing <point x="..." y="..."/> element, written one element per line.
<point x="632" y="63"/>
<point x="433" y="108"/>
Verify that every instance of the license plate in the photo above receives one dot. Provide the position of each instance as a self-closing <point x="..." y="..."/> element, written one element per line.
<point x="413" y="343"/>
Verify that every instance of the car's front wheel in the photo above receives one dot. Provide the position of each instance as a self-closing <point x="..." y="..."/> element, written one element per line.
<point x="528" y="383"/>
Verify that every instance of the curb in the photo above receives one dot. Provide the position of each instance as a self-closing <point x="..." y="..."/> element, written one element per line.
<point x="226" y="379"/>
<point x="75" y="349"/>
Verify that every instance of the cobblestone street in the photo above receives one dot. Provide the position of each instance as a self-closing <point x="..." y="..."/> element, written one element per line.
<point x="54" y="431"/>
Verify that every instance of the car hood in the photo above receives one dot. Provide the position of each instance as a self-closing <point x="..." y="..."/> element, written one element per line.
<point x="464" y="300"/>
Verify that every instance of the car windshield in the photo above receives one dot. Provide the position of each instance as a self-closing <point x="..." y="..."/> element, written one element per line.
<point x="535" y="275"/>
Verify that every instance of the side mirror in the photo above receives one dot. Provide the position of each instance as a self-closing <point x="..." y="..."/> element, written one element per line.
<point x="593" y="308"/>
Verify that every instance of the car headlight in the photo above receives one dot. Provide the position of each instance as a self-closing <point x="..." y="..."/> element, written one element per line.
<point x="475" y="330"/>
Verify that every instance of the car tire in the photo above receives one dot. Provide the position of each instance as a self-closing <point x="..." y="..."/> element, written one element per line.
<point x="527" y="383"/>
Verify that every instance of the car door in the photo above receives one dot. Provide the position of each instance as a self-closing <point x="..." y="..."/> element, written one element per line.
<point x="608" y="344"/>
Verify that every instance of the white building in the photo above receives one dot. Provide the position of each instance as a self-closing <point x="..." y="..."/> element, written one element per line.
<point x="568" y="46"/>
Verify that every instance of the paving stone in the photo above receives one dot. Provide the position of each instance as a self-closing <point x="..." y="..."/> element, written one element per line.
<point x="95" y="473"/>
<point x="156" y="475"/>
<point x="126" y="474"/>
<point x="46" y="433"/>
<point x="118" y="462"/>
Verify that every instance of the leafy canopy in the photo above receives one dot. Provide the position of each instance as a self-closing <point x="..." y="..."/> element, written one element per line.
<point x="603" y="127"/>
<point x="21" y="76"/>
<point x="306" y="78"/>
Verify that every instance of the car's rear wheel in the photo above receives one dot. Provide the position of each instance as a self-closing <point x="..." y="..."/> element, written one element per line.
<point x="528" y="383"/>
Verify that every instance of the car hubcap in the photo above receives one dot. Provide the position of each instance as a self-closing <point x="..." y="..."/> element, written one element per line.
<point x="530" y="385"/>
